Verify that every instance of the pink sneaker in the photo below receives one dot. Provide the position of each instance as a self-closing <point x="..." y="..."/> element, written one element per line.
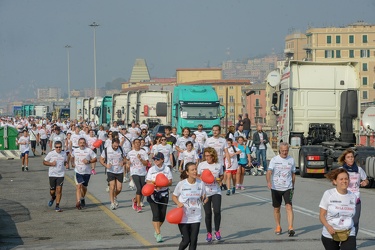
<point x="139" y="209"/>
<point x="242" y="188"/>
<point x="134" y="204"/>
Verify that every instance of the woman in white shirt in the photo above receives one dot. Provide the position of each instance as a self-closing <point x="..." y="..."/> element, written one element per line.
<point x="337" y="209"/>
<point x="189" y="194"/>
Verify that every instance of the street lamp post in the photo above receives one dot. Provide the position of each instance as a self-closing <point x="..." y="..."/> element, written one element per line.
<point x="67" y="52"/>
<point x="94" y="25"/>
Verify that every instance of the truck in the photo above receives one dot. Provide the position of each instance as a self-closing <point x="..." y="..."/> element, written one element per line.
<point x="105" y="111"/>
<point x="28" y="110"/>
<point x="17" y="111"/>
<point x="149" y="106"/>
<point x="318" y="110"/>
<point x="196" y="104"/>
<point x="41" y="111"/>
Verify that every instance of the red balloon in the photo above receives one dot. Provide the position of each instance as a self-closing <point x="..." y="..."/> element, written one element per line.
<point x="207" y="176"/>
<point x="97" y="143"/>
<point x="161" y="180"/>
<point x="148" y="189"/>
<point x="175" y="215"/>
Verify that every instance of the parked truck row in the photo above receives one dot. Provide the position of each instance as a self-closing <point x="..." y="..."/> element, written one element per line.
<point x="186" y="106"/>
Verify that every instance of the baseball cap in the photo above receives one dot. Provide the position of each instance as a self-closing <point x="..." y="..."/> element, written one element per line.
<point x="158" y="156"/>
<point x="121" y="127"/>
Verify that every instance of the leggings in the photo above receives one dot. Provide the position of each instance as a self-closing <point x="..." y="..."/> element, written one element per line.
<point x="215" y="200"/>
<point x="43" y="144"/>
<point x="330" y="244"/>
<point x="139" y="182"/>
<point x="159" y="211"/>
<point x="189" y="235"/>
<point x="356" y="217"/>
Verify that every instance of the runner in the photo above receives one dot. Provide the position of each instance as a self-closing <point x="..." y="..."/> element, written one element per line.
<point x="57" y="162"/>
<point x="189" y="194"/>
<point x="138" y="161"/>
<point x="24" y="142"/>
<point x="213" y="192"/>
<point x="189" y="155"/>
<point x="159" y="199"/>
<point x="82" y="157"/>
<point x="220" y="145"/>
<point x="232" y="165"/>
<point x="113" y="159"/>
<point x="166" y="150"/>
<point x="357" y="178"/>
<point x="337" y="209"/>
<point x="245" y="158"/>
<point x="281" y="176"/>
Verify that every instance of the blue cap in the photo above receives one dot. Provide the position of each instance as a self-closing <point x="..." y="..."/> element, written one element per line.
<point x="158" y="156"/>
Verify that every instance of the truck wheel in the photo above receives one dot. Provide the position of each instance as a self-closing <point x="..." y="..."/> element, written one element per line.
<point x="302" y="164"/>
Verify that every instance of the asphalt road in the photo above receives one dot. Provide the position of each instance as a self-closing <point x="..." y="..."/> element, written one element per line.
<point x="26" y="222"/>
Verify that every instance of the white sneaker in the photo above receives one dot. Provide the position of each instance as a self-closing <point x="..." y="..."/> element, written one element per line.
<point x="142" y="205"/>
<point x="131" y="184"/>
<point x="107" y="189"/>
<point x="113" y="206"/>
<point x="116" y="203"/>
<point x="126" y="179"/>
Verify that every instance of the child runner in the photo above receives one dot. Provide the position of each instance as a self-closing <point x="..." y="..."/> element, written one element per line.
<point x="231" y="170"/>
<point x="245" y="158"/>
<point x="189" y="155"/>
<point x="189" y="194"/>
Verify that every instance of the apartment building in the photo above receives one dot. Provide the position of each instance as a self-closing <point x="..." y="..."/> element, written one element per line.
<point x="48" y="93"/>
<point x="355" y="42"/>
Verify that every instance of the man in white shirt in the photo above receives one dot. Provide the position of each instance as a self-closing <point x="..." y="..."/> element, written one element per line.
<point x="281" y="175"/>
<point x="57" y="161"/>
<point x="82" y="158"/>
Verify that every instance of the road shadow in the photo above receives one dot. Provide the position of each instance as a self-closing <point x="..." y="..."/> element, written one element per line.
<point x="309" y="229"/>
<point x="11" y="213"/>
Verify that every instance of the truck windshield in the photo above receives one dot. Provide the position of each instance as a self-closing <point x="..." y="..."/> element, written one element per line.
<point x="201" y="113"/>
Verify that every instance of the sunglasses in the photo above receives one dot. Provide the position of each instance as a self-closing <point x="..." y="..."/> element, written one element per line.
<point x="57" y="147"/>
<point x="156" y="159"/>
<point x="163" y="139"/>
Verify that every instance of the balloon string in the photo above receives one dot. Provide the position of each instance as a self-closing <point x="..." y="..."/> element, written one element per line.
<point x="166" y="204"/>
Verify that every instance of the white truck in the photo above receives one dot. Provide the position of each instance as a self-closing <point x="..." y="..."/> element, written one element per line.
<point x="318" y="111"/>
<point x="152" y="107"/>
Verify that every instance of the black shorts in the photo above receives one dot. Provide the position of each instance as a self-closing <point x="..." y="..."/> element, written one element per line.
<point x="55" y="182"/>
<point x="82" y="179"/>
<point x="277" y="197"/>
<point x="113" y="177"/>
<point x="33" y="144"/>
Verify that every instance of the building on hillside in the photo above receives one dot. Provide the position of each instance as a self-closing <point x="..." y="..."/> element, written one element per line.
<point x="48" y="93"/>
<point x="75" y="93"/>
<point x="355" y="42"/>
<point x="295" y="46"/>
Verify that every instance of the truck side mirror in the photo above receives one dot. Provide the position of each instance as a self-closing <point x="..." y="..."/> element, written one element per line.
<point x="222" y="109"/>
<point x="274" y="98"/>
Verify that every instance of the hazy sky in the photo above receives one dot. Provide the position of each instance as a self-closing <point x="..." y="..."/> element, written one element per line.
<point x="168" y="34"/>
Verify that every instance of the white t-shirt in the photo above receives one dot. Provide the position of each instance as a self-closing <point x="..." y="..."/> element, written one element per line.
<point x="74" y="138"/>
<point x="340" y="210"/>
<point x="201" y="137"/>
<point x="33" y="134"/>
<point x="108" y="143"/>
<point x="233" y="159"/>
<point x="166" y="150"/>
<point x="282" y="171"/>
<point x="90" y="141"/>
<point x="355" y="181"/>
<point x="58" y="137"/>
<point x="59" y="169"/>
<point x="115" y="158"/>
<point x="102" y="135"/>
<point x="135" y="132"/>
<point x="190" y="195"/>
<point x="186" y="156"/>
<point x="79" y="155"/>
<point x="216" y="170"/>
<point x="24" y="147"/>
<point x="219" y="144"/>
<point x="136" y="166"/>
<point x="181" y="142"/>
<point x="154" y="171"/>
<point x="43" y="133"/>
